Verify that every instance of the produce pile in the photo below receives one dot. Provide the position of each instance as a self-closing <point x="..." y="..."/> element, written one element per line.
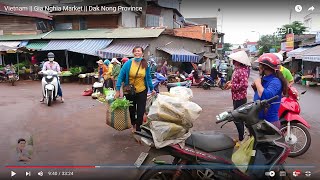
<point x="171" y="116"/>
<point x="120" y="104"/>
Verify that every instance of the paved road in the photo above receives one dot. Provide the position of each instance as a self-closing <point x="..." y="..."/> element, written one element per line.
<point x="75" y="133"/>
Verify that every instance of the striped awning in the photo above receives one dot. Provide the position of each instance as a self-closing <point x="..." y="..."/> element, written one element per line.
<point x="13" y="44"/>
<point x="37" y="45"/>
<point x="120" y="50"/>
<point x="61" y="45"/>
<point x="180" y="55"/>
<point x="91" y="46"/>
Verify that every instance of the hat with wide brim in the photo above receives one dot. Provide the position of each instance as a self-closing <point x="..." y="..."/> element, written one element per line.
<point x="241" y="57"/>
<point x="100" y="62"/>
<point x="115" y="60"/>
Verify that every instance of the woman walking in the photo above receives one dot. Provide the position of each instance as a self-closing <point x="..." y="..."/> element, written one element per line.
<point x="136" y="76"/>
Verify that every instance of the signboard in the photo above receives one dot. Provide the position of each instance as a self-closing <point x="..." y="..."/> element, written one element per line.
<point x="318" y="37"/>
<point x="311" y="58"/>
<point x="11" y="51"/>
<point x="219" y="46"/>
<point x="289" y="42"/>
<point x="283" y="46"/>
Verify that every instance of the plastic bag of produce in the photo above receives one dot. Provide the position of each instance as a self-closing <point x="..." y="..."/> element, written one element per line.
<point x="182" y="92"/>
<point x="242" y="156"/>
<point x="165" y="133"/>
<point x="174" y="109"/>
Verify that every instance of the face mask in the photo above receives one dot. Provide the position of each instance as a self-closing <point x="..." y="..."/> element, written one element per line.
<point x="138" y="59"/>
<point x="51" y="59"/>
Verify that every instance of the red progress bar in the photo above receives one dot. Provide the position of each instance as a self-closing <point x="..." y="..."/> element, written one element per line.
<point x="68" y="167"/>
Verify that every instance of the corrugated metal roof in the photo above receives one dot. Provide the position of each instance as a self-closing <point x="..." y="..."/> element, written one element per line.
<point x="21" y="37"/>
<point x="61" y="45"/>
<point x="91" y="46"/>
<point x="313" y="54"/>
<point x="120" y="50"/>
<point x="37" y="45"/>
<point x="180" y="55"/>
<point x="105" y="33"/>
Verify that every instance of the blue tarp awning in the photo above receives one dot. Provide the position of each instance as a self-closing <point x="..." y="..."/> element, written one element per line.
<point x="120" y="50"/>
<point x="180" y="55"/>
<point x="61" y="45"/>
<point x="91" y="46"/>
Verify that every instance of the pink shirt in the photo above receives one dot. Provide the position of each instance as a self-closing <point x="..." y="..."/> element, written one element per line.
<point x="239" y="83"/>
<point x="51" y="66"/>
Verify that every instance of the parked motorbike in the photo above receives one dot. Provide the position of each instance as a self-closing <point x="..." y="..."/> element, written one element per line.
<point x="159" y="80"/>
<point x="298" y="77"/>
<point x="294" y="127"/>
<point x="208" y="155"/>
<point x="177" y="80"/>
<point x="49" y="86"/>
<point x="9" y="75"/>
<point x="195" y="81"/>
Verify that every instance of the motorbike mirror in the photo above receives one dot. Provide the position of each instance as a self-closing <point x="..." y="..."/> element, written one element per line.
<point x="304" y="92"/>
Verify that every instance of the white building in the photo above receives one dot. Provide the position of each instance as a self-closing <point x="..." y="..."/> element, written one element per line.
<point x="312" y="22"/>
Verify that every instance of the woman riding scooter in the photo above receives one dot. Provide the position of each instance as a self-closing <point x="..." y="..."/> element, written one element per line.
<point x="53" y="65"/>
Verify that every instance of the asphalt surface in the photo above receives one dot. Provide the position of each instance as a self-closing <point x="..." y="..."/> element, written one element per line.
<point x="75" y="132"/>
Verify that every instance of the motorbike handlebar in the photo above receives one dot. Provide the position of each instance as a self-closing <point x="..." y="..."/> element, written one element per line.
<point x="271" y="99"/>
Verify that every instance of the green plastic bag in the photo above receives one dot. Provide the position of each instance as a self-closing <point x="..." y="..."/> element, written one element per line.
<point x="242" y="156"/>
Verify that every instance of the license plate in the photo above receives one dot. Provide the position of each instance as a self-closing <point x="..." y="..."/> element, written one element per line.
<point x="141" y="159"/>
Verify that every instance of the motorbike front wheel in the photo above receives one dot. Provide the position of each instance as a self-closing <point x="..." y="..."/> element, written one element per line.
<point x="299" y="139"/>
<point x="156" y="172"/>
<point x="49" y="98"/>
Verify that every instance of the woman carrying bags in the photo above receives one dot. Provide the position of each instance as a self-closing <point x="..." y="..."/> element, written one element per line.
<point x="115" y="71"/>
<point x="136" y="76"/>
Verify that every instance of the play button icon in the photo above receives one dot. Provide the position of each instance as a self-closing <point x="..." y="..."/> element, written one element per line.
<point x="13" y="173"/>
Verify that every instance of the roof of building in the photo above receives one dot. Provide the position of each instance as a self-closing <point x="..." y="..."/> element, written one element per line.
<point x="34" y="14"/>
<point x="90" y="34"/>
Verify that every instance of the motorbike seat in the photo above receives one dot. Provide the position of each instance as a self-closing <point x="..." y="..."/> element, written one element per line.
<point x="210" y="141"/>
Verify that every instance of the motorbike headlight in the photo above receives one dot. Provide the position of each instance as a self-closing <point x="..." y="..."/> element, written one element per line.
<point x="49" y="77"/>
<point x="222" y="116"/>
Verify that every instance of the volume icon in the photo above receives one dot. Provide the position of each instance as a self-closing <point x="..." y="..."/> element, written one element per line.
<point x="40" y="173"/>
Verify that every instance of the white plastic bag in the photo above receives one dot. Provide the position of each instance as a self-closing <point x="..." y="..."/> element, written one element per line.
<point x="175" y="110"/>
<point x="165" y="133"/>
<point x="182" y="92"/>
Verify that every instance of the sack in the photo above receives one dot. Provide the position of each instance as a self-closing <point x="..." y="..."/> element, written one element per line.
<point x="182" y="92"/>
<point x="242" y="156"/>
<point x="150" y="100"/>
<point x="118" y="119"/>
<point x="129" y="90"/>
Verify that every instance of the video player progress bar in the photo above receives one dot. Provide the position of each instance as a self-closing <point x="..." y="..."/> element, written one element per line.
<point x="69" y="167"/>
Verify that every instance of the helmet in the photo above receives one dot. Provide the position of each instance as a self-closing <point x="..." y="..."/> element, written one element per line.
<point x="269" y="59"/>
<point x="279" y="56"/>
<point x="50" y="55"/>
<point x="106" y="62"/>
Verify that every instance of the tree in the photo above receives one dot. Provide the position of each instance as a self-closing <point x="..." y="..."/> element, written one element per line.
<point x="267" y="42"/>
<point x="295" y="27"/>
<point x="226" y="47"/>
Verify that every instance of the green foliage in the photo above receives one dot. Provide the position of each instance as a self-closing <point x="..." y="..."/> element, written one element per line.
<point x="226" y="47"/>
<point x="267" y="42"/>
<point x="75" y="70"/>
<point x="120" y="103"/>
<point x="295" y="27"/>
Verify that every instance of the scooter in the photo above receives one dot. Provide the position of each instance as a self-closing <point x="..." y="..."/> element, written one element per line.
<point x="49" y="86"/>
<point x="208" y="155"/>
<point x="195" y="81"/>
<point x="293" y="126"/>
<point x="159" y="80"/>
<point x="9" y="75"/>
<point x="177" y="80"/>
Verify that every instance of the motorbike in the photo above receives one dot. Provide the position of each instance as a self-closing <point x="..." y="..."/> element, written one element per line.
<point x="177" y="80"/>
<point x="159" y="80"/>
<point x="9" y="75"/>
<point x="195" y="81"/>
<point x="49" y="86"/>
<point x="298" y="77"/>
<point x="208" y="155"/>
<point x="294" y="127"/>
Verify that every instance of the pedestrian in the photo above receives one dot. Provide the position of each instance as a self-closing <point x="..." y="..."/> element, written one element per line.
<point x="136" y="76"/>
<point x="115" y="71"/>
<point x="239" y="86"/>
<point x="229" y="72"/>
<point x="109" y="83"/>
<point x="285" y="72"/>
<point x="270" y="84"/>
<point x="164" y="69"/>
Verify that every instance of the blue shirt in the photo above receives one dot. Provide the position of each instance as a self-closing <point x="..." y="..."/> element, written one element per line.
<point x="272" y="87"/>
<point x="124" y="76"/>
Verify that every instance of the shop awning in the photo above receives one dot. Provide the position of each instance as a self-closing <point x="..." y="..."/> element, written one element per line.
<point x="61" y="45"/>
<point x="312" y="55"/>
<point x="297" y="53"/>
<point x="289" y="59"/>
<point x="180" y="55"/>
<point x="5" y="48"/>
<point x="13" y="44"/>
<point x="120" y="50"/>
<point x="91" y="46"/>
<point x="37" y="45"/>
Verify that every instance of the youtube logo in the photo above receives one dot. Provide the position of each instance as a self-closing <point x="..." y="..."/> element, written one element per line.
<point x="296" y="173"/>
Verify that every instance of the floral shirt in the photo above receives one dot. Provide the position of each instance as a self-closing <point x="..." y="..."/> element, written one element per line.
<point x="239" y="83"/>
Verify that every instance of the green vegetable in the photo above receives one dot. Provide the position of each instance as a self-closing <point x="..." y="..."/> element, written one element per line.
<point x="120" y="104"/>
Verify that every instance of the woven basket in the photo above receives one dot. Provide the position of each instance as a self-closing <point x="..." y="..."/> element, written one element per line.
<point x="118" y="119"/>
